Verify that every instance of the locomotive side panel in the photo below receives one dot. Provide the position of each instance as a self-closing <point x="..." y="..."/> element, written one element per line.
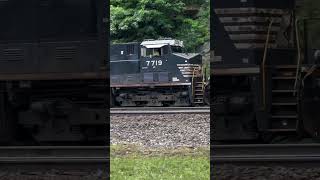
<point x="53" y="62"/>
<point x="243" y="86"/>
<point x="52" y="37"/>
<point x="125" y="64"/>
<point x="242" y="28"/>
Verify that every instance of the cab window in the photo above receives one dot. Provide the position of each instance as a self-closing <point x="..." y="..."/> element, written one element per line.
<point x="151" y="52"/>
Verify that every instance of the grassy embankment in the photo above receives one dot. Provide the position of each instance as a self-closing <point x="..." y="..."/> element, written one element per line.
<point x="130" y="162"/>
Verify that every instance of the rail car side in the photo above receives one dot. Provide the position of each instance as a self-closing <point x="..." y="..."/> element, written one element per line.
<point x="53" y="60"/>
<point x="261" y="72"/>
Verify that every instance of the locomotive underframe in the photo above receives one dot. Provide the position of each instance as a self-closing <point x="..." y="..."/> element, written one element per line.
<point x="152" y="96"/>
<point x="239" y="113"/>
<point x="235" y="103"/>
<point x="53" y="111"/>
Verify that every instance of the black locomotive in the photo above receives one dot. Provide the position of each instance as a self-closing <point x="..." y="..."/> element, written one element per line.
<point x="53" y="80"/>
<point x="156" y="73"/>
<point x="265" y="73"/>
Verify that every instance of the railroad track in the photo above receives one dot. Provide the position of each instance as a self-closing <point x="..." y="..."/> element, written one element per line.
<point x="35" y="158"/>
<point x="270" y="154"/>
<point x="160" y="110"/>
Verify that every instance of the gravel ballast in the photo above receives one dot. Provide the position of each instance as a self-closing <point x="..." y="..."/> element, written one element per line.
<point x="167" y="130"/>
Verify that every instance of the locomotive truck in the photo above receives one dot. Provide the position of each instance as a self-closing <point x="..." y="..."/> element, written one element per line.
<point x="265" y="71"/>
<point x="156" y="73"/>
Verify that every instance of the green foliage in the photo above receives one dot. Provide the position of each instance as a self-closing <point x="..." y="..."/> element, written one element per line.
<point x="136" y="20"/>
<point x="133" y="162"/>
<point x="192" y="2"/>
<point x="166" y="168"/>
<point x="195" y="32"/>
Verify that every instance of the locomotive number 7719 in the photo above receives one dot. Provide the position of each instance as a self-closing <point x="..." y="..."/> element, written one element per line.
<point x="154" y="63"/>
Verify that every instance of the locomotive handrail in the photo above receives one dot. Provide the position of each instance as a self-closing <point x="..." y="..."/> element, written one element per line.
<point x="263" y="65"/>
<point x="299" y="54"/>
<point x="203" y="78"/>
<point x="192" y="83"/>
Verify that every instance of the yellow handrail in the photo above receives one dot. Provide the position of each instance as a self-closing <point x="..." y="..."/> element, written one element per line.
<point x="193" y="83"/>
<point x="299" y="55"/>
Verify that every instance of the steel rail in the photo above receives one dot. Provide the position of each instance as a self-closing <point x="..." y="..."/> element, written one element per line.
<point x="161" y="110"/>
<point x="55" y="155"/>
<point x="265" y="154"/>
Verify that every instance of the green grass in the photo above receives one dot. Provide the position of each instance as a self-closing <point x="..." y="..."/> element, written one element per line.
<point x="135" y="163"/>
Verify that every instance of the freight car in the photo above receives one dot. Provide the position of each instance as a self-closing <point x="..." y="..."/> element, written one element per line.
<point x="53" y="59"/>
<point x="156" y="73"/>
<point x="265" y="73"/>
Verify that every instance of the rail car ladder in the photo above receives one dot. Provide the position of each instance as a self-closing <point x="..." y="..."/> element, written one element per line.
<point x="198" y="92"/>
<point x="284" y="103"/>
<point x="198" y="83"/>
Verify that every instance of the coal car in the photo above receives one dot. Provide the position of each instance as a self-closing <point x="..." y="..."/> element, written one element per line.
<point x="155" y="73"/>
<point x="53" y="62"/>
<point x="264" y="69"/>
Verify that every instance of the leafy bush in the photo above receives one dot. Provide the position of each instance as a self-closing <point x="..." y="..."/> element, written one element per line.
<point x="136" y="20"/>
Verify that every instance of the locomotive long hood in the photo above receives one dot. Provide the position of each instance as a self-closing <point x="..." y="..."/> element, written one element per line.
<point x="194" y="58"/>
<point x="187" y="55"/>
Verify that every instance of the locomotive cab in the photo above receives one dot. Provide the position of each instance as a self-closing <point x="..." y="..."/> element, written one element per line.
<point x="159" y="48"/>
<point x="155" y="53"/>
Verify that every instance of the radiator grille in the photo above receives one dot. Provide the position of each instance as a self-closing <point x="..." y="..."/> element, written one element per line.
<point x="65" y="53"/>
<point x="12" y="55"/>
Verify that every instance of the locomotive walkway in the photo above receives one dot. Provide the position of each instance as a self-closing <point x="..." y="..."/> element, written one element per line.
<point x="160" y="110"/>
<point x="267" y="154"/>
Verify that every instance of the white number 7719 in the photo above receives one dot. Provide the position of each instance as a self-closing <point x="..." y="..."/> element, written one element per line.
<point x="154" y="63"/>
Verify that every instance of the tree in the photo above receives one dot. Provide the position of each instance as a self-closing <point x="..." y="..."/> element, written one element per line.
<point x="195" y="31"/>
<point x="136" y="20"/>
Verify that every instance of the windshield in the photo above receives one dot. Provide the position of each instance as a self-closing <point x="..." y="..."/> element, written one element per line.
<point x="151" y="52"/>
<point x="154" y="52"/>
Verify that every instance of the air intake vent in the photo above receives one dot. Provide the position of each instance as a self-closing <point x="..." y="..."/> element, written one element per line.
<point x="12" y="54"/>
<point x="65" y="53"/>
